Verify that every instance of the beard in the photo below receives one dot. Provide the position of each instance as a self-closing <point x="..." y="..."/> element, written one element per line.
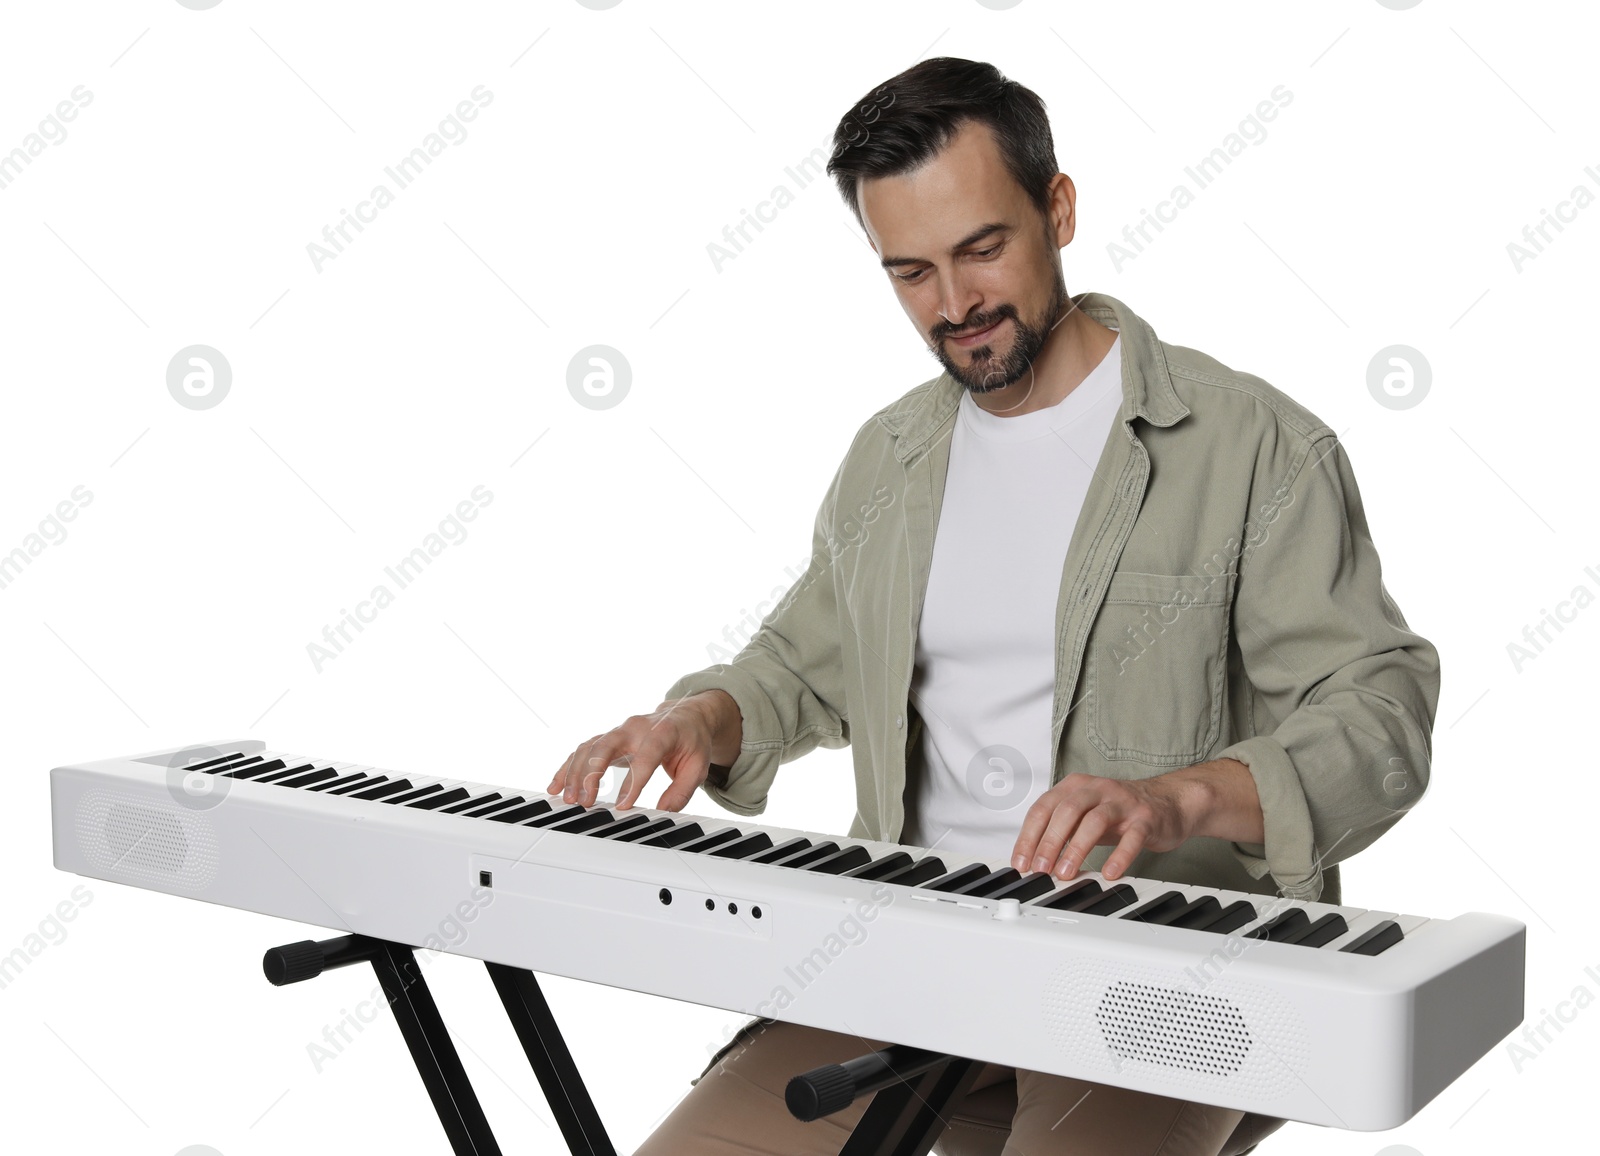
<point x="989" y="371"/>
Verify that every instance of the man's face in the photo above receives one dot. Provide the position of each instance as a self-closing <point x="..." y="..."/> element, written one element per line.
<point x="975" y="267"/>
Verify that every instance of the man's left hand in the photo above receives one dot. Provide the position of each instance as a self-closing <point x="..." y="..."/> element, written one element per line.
<point x="1081" y="812"/>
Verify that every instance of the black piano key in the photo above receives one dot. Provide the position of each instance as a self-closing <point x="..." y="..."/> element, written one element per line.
<point x="918" y="873"/>
<point x="470" y="804"/>
<point x="809" y="855"/>
<point x="283" y="774"/>
<point x="745" y="847"/>
<point x="637" y="834"/>
<point x="559" y="815"/>
<point x="617" y="826"/>
<point x="498" y="805"/>
<point x="1077" y="892"/>
<point x="1234" y="916"/>
<point x="1282" y="926"/>
<point x="989" y="882"/>
<point x="213" y="764"/>
<point x="434" y="802"/>
<point x="1166" y="903"/>
<point x="580" y="824"/>
<point x="385" y="788"/>
<point x="248" y="768"/>
<point x="349" y="780"/>
<point x="517" y="814"/>
<point x="1028" y="887"/>
<point x="1322" y="932"/>
<point x="1375" y="940"/>
<point x="362" y="783"/>
<point x="235" y="763"/>
<point x="1114" y="900"/>
<point x="321" y="775"/>
<point x="1195" y="913"/>
<point x="958" y="878"/>
<point x="713" y="840"/>
<point x="878" y="868"/>
<point x="783" y="850"/>
<point x="841" y="861"/>
<point x="416" y="794"/>
<point x="676" y="837"/>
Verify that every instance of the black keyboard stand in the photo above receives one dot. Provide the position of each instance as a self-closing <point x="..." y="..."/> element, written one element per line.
<point x="435" y="1056"/>
<point x="914" y="1090"/>
<point x="908" y="1112"/>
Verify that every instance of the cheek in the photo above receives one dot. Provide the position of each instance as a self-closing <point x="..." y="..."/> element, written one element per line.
<point x="919" y="305"/>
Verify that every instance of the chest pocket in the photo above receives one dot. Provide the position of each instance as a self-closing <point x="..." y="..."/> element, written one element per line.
<point x="1156" y="667"/>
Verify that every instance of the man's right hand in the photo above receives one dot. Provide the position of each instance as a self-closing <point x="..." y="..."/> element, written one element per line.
<point x="682" y="736"/>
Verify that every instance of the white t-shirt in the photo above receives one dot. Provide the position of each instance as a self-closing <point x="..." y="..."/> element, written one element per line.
<point x="984" y="681"/>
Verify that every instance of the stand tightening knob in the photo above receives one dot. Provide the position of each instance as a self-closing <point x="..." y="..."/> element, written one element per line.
<point x="293" y="962"/>
<point x="820" y="1092"/>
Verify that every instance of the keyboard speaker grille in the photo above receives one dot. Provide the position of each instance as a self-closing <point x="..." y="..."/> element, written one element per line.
<point x="171" y="847"/>
<point x="1162" y="1025"/>
<point x="1190" y="1034"/>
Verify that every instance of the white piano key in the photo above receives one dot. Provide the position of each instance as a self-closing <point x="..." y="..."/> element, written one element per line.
<point x="1410" y="923"/>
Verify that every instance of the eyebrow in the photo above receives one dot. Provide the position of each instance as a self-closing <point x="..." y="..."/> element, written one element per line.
<point x="971" y="238"/>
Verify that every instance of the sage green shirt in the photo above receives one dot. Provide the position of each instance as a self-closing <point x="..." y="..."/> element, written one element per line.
<point x="1221" y="597"/>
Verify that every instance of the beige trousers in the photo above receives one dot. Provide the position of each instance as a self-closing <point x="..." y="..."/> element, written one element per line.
<point x="737" y="1109"/>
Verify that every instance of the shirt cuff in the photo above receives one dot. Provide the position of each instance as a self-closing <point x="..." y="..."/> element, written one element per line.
<point x="1290" y="852"/>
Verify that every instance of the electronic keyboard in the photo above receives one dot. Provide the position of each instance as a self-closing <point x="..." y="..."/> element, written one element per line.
<point x="1313" y="1012"/>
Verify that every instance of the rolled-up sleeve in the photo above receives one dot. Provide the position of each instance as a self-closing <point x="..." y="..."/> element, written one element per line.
<point x="1343" y="691"/>
<point x="787" y="680"/>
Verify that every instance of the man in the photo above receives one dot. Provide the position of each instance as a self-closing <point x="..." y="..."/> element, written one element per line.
<point x="1087" y="600"/>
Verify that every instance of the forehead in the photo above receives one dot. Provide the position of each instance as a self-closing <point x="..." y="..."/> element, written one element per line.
<point x="925" y="211"/>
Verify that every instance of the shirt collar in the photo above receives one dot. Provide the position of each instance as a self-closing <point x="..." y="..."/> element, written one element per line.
<point x="1147" y="390"/>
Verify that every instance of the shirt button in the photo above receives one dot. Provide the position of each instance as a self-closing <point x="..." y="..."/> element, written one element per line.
<point x="898" y="721"/>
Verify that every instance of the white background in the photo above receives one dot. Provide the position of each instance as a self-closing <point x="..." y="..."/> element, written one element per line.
<point x="371" y="396"/>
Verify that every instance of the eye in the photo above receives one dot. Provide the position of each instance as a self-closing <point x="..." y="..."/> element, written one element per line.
<point x="913" y="278"/>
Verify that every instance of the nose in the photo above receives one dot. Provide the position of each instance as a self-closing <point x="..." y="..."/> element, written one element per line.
<point x="957" y="302"/>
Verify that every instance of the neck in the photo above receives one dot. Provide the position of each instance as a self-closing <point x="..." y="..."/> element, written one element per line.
<point x="1075" y="346"/>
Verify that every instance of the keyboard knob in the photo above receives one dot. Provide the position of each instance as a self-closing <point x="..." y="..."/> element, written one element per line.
<point x="820" y="1092"/>
<point x="293" y="962"/>
<point x="1009" y="909"/>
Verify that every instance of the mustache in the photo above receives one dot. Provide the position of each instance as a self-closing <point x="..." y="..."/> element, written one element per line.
<point x="940" y="332"/>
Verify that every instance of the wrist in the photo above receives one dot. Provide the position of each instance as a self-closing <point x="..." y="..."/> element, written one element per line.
<point x="717" y="713"/>
<point x="1218" y="800"/>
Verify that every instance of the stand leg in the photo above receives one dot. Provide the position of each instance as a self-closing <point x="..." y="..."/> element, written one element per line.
<point x="563" y="1086"/>
<point x="431" y="1049"/>
<point x="905" y="1119"/>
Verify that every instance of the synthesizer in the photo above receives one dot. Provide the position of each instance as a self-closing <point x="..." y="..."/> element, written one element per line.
<point x="1325" y="1014"/>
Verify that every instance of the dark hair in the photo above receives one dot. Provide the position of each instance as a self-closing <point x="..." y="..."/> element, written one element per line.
<point x="907" y="119"/>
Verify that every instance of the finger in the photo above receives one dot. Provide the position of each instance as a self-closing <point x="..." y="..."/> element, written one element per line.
<point x="558" y="783"/>
<point x="632" y="781"/>
<point x="1062" y="823"/>
<point x="595" y="770"/>
<point x="1034" y="826"/>
<point x="1128" y="848"/>
<point x="1084" y="840"/>
<point x="591" y="759"/>
<point x="687" y="774"/>
<point x="641" y="765"/>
